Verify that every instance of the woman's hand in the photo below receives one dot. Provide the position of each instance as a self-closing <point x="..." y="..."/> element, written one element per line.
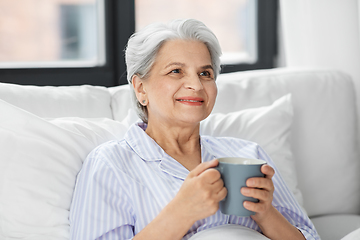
<point x="272" y="223"/>
<point x="262" y="189"/>
<point x="201" y="192"/>
<point x="197" y="198"/>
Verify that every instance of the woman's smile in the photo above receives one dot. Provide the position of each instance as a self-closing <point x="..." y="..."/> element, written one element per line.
<point x="191" y="101"/>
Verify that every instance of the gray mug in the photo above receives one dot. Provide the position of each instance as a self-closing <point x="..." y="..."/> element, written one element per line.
<point x="234" y="172"/>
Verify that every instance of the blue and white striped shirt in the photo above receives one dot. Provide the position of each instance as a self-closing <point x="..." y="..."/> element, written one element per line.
<point x="123" y="186"/>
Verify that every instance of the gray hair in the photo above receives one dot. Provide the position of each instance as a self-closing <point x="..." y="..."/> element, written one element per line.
<point x="144" y="45"/>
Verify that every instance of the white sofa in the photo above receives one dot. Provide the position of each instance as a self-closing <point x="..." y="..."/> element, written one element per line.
<point x="304" y="118"/>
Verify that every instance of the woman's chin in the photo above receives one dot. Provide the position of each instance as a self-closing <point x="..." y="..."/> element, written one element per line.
<point x="183" y="119"/>
<point x="193" y="120"/>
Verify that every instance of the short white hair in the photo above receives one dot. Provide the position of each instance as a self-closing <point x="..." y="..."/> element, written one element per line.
<point x="144" y="45"/>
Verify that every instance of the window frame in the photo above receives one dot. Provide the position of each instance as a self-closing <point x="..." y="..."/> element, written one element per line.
<point x="116" y="34"/>
<point x="119" y="25"/>
<point x="267" y="19"/>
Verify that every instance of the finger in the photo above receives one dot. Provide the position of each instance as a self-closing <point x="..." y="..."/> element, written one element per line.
<point x="203" y="166"/>
<point x="262" y="183"/>
<point x="254" y="207"/>
<point x="217" y="185"/>
<point x="268" y="171"/>
<point x="260" y="194"/>
<point x="222" y="194"/>
<point x="210" y="175"/>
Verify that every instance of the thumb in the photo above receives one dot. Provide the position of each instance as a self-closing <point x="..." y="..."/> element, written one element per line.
<point x="268" y="171"/>
<point x="202" y="167"/>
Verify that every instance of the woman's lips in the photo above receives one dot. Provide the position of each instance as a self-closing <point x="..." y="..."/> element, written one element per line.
<point x="193" y="101"/>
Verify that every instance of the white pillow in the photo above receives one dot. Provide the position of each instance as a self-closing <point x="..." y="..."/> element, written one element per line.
<point x="52" y="102"/>
<point x="39" y="161"/>
<point x="121" y="101"/>
<point x="269" y="126"/>
<point x="228" y="232"/>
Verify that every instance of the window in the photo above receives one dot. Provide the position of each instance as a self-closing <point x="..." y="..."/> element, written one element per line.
<point x="57" y="33"/>
<point x="73" y="42"/>
<point x="234" y="23"/>
<point x="64" y="42"/>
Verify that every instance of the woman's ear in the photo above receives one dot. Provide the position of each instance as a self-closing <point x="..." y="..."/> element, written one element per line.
<point x="139" y="88"/>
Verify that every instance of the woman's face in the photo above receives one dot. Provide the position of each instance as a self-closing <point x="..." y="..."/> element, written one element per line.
<point x="181" y="88"/>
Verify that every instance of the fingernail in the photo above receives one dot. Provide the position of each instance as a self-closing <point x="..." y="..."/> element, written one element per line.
<point x="250" y="183"/>
<point x="246" y="204"/>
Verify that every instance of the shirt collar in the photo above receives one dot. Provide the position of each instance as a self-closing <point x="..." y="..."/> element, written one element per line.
<point x="142" y="144"/>
<point x="148" y="150"/>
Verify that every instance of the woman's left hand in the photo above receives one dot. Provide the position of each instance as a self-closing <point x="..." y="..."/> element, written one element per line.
<point x="262" y="189"/>
<point x="271" y="222"/>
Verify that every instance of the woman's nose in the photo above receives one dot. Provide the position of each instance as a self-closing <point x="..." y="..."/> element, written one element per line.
<point x="193" y="82"/>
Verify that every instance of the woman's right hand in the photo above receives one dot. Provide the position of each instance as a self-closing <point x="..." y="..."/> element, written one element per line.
<point x="201" y="192"/>
<point x="198" y="198"/>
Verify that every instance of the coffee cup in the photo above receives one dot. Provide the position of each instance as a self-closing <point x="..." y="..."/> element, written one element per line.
<point x="234" y="172"/>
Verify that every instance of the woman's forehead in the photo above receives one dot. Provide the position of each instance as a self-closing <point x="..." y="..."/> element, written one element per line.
<point x="181" y="51"/>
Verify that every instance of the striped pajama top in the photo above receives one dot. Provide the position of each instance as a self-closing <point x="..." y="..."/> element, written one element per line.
<point x="123" y="185"/>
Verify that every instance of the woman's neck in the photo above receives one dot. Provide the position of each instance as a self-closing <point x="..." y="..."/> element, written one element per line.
<point x="181" y="143"/>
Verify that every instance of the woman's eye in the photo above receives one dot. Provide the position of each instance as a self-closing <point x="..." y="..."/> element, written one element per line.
<point x="175" y="71"/>
<point x="205" y="74"/>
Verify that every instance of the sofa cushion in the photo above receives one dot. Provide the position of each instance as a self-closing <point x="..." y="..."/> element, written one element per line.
<point x="324" y="132"/>
<point x="335" y="227"/>
<point x="75" y="101"/>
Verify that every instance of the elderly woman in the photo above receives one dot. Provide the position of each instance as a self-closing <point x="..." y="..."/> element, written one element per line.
<point x="159" y="182"/>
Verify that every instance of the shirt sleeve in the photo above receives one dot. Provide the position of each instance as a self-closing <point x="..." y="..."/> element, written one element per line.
<point x="284" y="201"/>
<point x="101" y="208"/>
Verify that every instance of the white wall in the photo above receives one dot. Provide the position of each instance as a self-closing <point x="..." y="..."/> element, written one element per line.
<point x="321" y="33"/>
